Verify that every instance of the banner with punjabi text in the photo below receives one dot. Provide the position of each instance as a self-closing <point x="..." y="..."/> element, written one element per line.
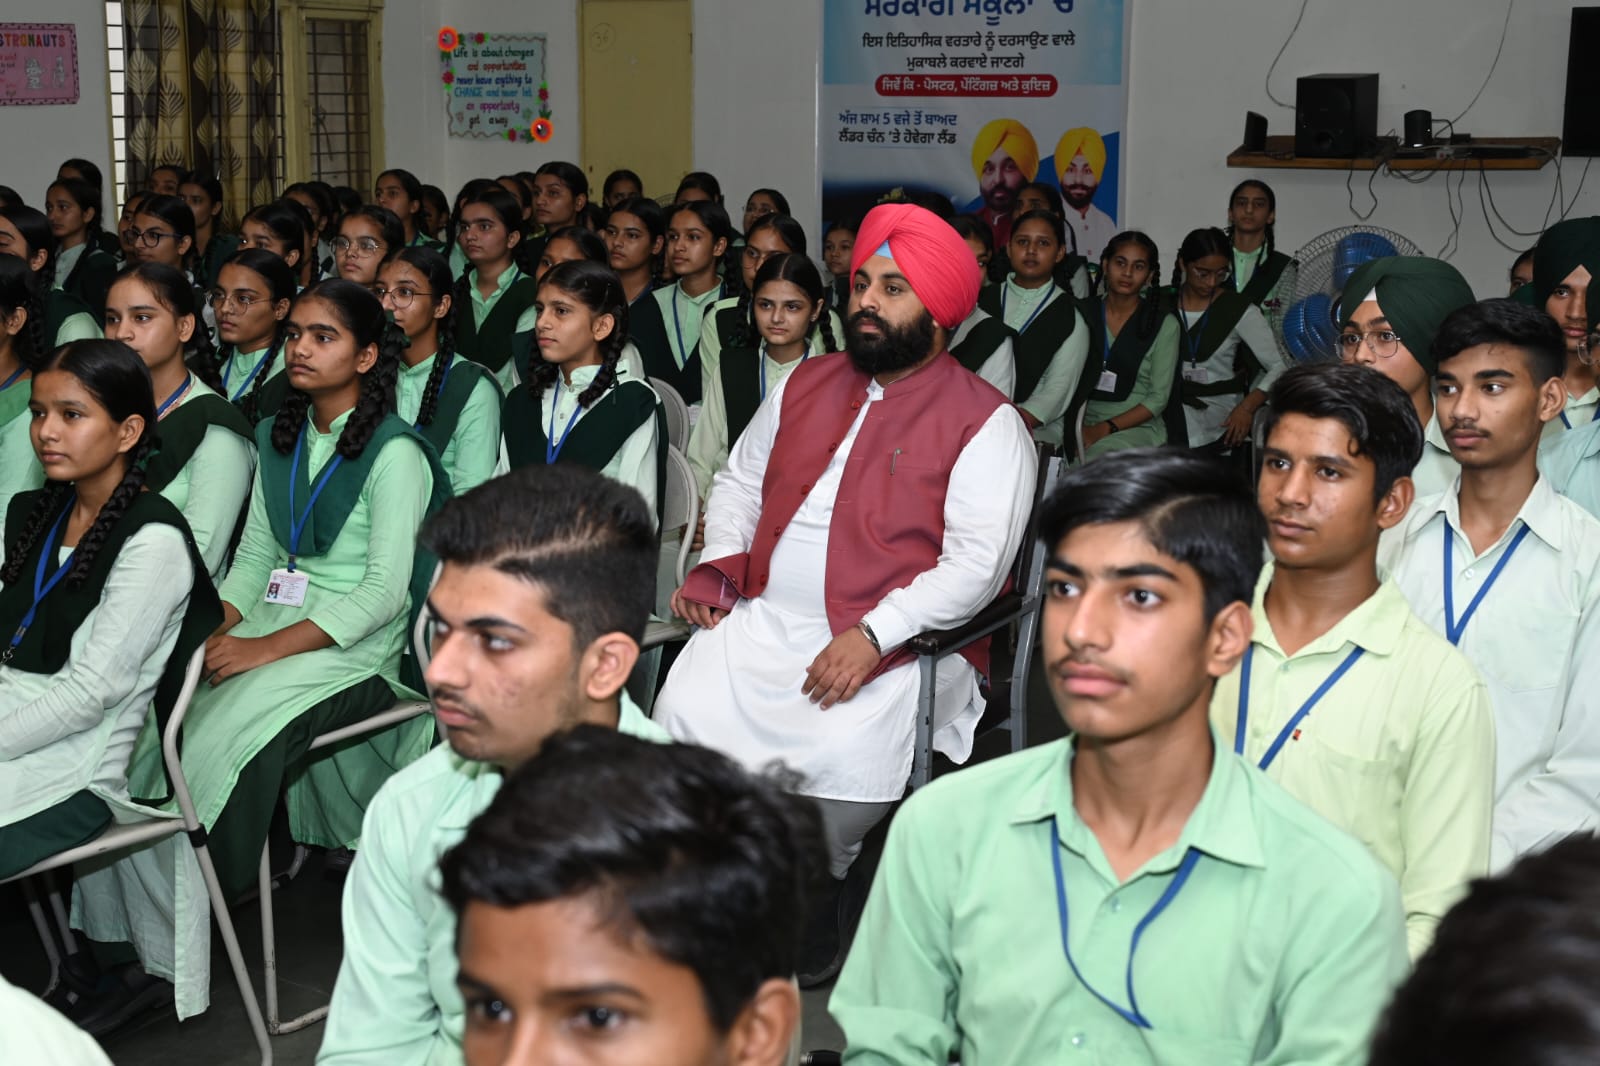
<point x="972" y="99"/>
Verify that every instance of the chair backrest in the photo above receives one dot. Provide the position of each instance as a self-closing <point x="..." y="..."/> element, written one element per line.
<point x="1044" y="483"/>
<point x="1077" y="429"/>
<point x="681" y="508"/>
<point x="677" y="413"/>
<point x="419" y="635"/>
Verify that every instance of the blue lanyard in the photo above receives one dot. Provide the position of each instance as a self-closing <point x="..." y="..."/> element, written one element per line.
<point x="41" y="587"/>
<point x="170" y="400"/>
<point x="1565" y="421"/>
<point x="1199" y="330"/>
<point x="761" y="368"/>
<point x="444" y="379"/>
<point x="1453" y="629"/>
<point x="677" y="326"/>
<point x="298" y="525"/>
<point x="1131" y="1013"/>
<point x="1292" y="727"/>
<point x="12" y="380"/>
<point x="552" y="446"/>
<point x="227" y="372"/>
<point x="1105" y="331"/>
<point x="1049" y="294"/>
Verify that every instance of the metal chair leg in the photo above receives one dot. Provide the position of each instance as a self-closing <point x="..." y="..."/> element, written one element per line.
<point x="230" y="944"/>
<point x="46" y="937"/>
<point x="922" y="753"/>
<point x="69" y="943"/>
<point x="269" y="953"/>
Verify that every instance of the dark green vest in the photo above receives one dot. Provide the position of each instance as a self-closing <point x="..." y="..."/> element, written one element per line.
<point x="60" y="305"/>
<point x="981" y="342"/>
<point x="1220" y="320"/>
<point x="208" y="266"/>
<point x="270" y="396"/>
<point x="461" y="377"/>
<point x="181" y="432"/>
<point x="1035" y="348"/>
<point x="1127" y="351"/>
<point x="1265" y="277"/>
<point x="647" y="329"/>
<point x="90" y="280"/>
<point x="490" y="344"/>
<point x="47" y="644"/>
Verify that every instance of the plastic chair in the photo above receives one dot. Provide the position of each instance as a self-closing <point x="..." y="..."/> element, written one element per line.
<point x="124" y="836"/>
<point x="1018" y="606"/>
<point x="400" y="712"/>
<point x="677" y="413"/>
<point x="680" y="508"/>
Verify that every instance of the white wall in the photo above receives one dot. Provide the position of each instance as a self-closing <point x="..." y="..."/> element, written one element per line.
<point x="34" y="140"/>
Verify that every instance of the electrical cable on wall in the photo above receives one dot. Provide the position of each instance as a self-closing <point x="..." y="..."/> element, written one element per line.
<point x="1504" y="29"/>
<point x="1292" y="31"/>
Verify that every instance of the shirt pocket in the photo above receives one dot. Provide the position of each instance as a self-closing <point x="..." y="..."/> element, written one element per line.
<point x="1356" y="793"/>
<point x="1531" y="655"/>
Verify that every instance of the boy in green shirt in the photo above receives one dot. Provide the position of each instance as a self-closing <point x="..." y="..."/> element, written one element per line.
<point x="1135" y="892"/>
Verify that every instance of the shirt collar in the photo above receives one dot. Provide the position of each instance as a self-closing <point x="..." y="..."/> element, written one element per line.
<point x="507" y="278"/>
<point x="1376" y="624"/>
<point x="1222" y="824"/>
<point x="422" y="369"/>
<point x="581" y="378"/>
<point x="1434" y="434"/>
<point x="1590" y="438"/>
<point x="1540" y="512"/>
<point x="335" y="428"/>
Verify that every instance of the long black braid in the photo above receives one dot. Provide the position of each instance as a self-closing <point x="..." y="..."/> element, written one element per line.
<point x="280" y="282"/>
<point x="119" y="381"/>
<point x="34" y="228"/>
<point x="599" y="289"/>
<point x="363" y="316"/>
<point x="19" y="288"/>
<point x="436" y="269"/>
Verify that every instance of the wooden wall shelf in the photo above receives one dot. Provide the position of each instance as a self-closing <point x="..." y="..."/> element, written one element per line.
<point x="1280" y="156"/>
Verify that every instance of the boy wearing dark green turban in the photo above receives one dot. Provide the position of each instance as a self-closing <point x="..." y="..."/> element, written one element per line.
<point x="1388" y="314"/>
<point x="1565" y="261"/>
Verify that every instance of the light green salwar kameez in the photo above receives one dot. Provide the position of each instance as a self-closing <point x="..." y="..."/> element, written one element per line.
<point x="474" y="447"/>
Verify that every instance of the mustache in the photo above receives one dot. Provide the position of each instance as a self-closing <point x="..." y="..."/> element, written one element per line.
<point x="1467" y="423"/>
<point x="1080" y="659"/>
<point x="868" y="316"/>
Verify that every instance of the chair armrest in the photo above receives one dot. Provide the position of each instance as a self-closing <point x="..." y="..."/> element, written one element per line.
<point x="1002" y="612"/>
<point x="668" y="632"/>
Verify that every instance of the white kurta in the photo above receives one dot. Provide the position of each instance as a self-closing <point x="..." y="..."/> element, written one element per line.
<point x="1093" y="229"/>
<point x="736" y="688"/>
<point x="1207" y="422"/>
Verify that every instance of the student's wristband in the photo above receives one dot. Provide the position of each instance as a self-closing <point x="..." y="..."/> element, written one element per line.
<point x="1112" y="422"/>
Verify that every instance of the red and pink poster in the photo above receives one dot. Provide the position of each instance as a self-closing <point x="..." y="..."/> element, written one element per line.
<point x="38" y="63"/>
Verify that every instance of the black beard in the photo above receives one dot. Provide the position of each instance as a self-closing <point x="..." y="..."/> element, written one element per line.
<point x="893" y="348"/>
<point x="1078" y="196"/>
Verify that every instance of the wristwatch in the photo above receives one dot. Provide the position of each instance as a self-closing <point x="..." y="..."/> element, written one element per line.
<point x="1112" y="422"/>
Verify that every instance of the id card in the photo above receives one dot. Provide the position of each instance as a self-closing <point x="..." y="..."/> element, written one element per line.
<point x="1196" y="374"/>
<point x="287" y="588"/>
<point x="1108" y="380"/>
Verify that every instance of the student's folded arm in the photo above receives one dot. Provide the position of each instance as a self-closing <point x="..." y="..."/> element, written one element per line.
<point x="636" y="463"/>
<point x="149" y="582"/>
<point x="397" y="491"/>
<point x="253" y="561"/>
<point x="734" y="508"/>
<point x="1153" y="388"/>
<point x="896" y="997"/>
<point x="383" y="1011"/>
<point x="221" y="472"/>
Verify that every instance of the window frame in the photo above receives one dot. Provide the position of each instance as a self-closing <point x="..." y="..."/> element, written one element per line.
<point x="294" y="43"/>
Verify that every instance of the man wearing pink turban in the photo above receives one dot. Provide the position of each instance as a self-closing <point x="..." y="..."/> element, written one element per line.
<point x="878" y="493"/>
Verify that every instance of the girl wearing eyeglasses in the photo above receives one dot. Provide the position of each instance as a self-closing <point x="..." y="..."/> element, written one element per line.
<point x="162" y="232"/>
<point x="25" y="233"/>
<point x="368" y="238"/>
<point x="1228" y="358"/>
<point x="451" y="401"/>
<point x="207" y="455"/>
<point x="251" y="304"/>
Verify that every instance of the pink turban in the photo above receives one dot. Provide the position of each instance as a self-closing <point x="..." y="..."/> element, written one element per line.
<point x="937" y="263"/>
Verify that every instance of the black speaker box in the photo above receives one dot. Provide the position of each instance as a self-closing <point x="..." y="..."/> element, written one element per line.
<point x="1580" y="127"/>
<point x="1336" y="116"/>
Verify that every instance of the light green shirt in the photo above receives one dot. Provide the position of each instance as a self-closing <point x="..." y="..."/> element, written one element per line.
<point x="1579" y="411"/>
<point x="999" y="367"/>
<point x="474" y="447"/>
<point x="396" y="1003"/>
<point x="66" y="260"/>
<point x="239" y="371"/>
<point x="481" y="304"/>
<point x="683" y="331"/>
<point x="213" y="486"/>
<point x="78" y="327"/>
<point x="1050" y="396"/>
<point x="1399" y="753"/>
<point x="1436" y="471"/>
<point x="1276" y="302"/>
<point x="1152" y="389"/>
<point x="1569" y="461"/>
<point x="1534" y="639"/>
<point x="1205" y="424"/>
<point x="1281" y="948"/>
<point x="709" y="442"/>
<point x="19" y="465"/>
<point x="711" y="340"/>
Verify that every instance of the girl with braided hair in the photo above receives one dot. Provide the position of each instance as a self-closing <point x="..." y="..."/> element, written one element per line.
<point x="283" y="228"/>
<point x="203" y="193"/>
<point x="1133" y="353"/>
<point x="791" y="318"/>
<point x="451" y="401"/>
<point x="103" y="599"/>
<point x="494" y="295"/>
<point x="251" y="303"/>
<point x="83" y="267"/>
<point x="315" y="606"/>
<point x="399" y="191"/>
<point x="1261" y="274"/>
<point x="206" y="462"/>
<point x="580" y="404"/>
<point x="25" y="233"/>
<point x="667" y="328"/>
<point x="23" y="347"/>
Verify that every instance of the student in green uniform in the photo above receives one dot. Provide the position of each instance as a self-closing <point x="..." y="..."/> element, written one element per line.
<point x="206" y="463"/>
<point x="983" y="343"/>
<point x="495" y="296"/>
<point x="1261" y="274"/>
<point x="399" y="191"/>
<point x="435" y="214"/>
<point x="453" y="230"/>
<point x="569" y="244"/>
<point x="283" y="228"/>
<point x="316" y="198"/>
<point x="1051" y="338"/>
<point x="25" y="233"/>
<point x="103" y="602"/>
<point x="83" y="170"/>
<point x="203" y="194"/>
<point x="838" y="243"/>
<point x="1135" y="893"/>
<point x="1229" y="357"/>
<point x="251" y="301"/>
<point x="1072" y="273"/>
<point x="667" y="328"/>
<point x="368" y="237"/>
<point x="1565" y="262"/>
<point x="560" y="194"/>
<point x="451" y="401"/>
<point x="82" y="267"/>
<point x="163" y="232"/>
<point x="787" y="312"/>
<point x="621" y="185"/>
<point x="694" y="956"/>
<point x="1345" y="697"/>
<point x="1389" y="312"/>
<point x="1133" y="359"/>
<point x="23" y="346"/>
<point x="579" y="403"/>
<point x="635" y="236"/>
<point x="544" y="589"/>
